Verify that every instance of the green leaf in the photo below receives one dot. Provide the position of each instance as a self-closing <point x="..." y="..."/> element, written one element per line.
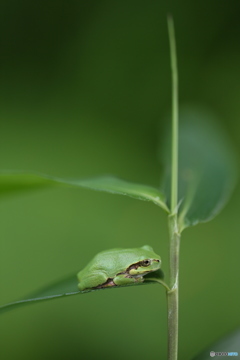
<point x="229" y="343"/>
<point x="13" y="182"/>
<point x="68" y="287"/>
<point x="207" y="170"/>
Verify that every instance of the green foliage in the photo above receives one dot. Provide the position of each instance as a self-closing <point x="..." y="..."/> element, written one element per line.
<point x="206" y="179"/>
<point x="69" y="287"/>
<point x="13" y="182"/>
<point x="207" y="168"/>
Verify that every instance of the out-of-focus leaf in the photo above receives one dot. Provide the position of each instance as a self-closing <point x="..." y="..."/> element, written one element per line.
<point x="68" y="287"/>
<point x="13" y="182"/>
<point x="229" y="343"/>
<point x="207" y="170"/>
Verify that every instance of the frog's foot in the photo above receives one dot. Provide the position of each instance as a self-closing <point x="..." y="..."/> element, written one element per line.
<point x="123" y="279"/>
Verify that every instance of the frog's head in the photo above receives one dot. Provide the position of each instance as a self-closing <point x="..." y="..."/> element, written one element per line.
<point x="148" y="261"/>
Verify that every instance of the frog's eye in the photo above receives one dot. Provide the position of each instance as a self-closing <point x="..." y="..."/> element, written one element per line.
<point x="146" y="262"/>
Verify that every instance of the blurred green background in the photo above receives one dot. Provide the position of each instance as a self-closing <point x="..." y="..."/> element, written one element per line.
<point x="84" y="86"/>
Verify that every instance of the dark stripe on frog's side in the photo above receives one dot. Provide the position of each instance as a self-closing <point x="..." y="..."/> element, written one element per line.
<point x="109" y="283"/>
<point x="136" y="266"/>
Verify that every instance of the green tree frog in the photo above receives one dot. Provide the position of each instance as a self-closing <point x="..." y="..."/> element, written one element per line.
<point x="118" y="267"/>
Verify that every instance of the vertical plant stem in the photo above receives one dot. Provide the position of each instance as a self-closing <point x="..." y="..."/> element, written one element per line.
<point x="172" y="295"/>
<point x="173" y="55"/>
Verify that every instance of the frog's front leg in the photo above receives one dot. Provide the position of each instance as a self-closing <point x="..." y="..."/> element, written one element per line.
<point x="122" y="279"/>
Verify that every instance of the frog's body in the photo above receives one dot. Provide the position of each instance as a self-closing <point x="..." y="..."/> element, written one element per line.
<point x="118" y="267"/>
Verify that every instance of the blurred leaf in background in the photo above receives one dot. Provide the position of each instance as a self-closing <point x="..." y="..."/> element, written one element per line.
<point x="84" y="86"/>
<point x="228" y="344"/>
<point x="207" y="167"/>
